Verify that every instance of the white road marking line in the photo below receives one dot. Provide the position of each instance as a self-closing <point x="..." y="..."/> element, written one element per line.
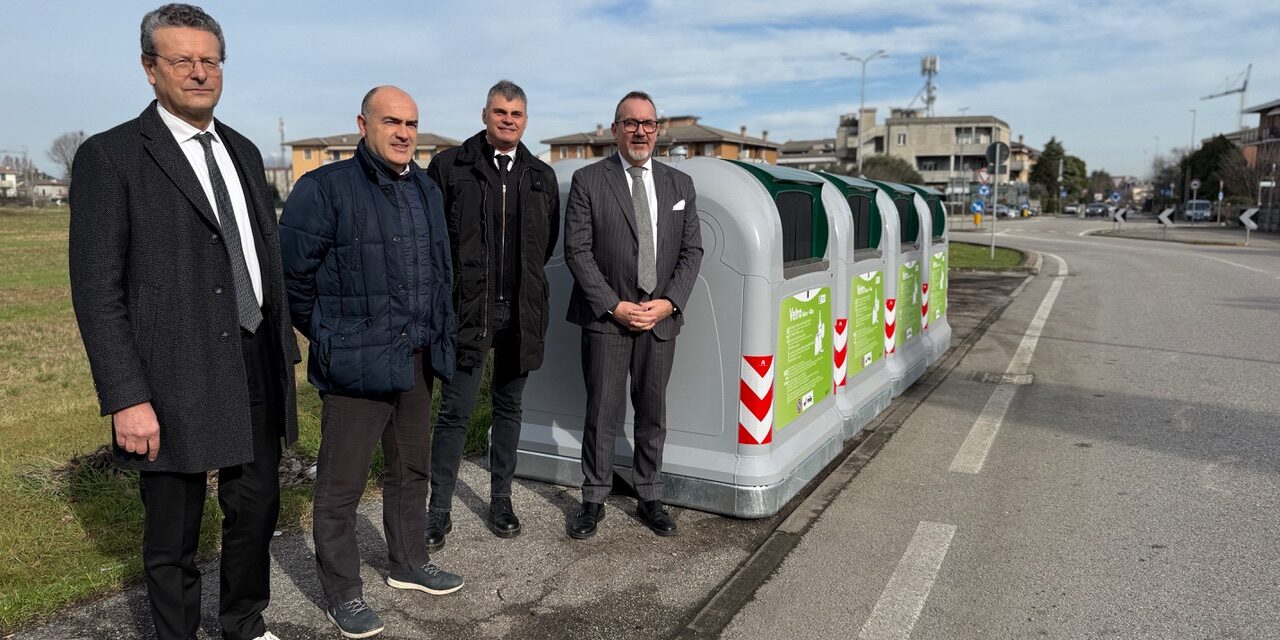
<point x="903" y="598"/>
<point x="973" y="452"/>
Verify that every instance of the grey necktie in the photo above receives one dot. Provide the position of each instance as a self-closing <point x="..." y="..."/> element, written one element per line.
<point x="646" y="265"/>
<point x="246" y="303"/>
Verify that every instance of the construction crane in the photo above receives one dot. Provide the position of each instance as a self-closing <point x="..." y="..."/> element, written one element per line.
<point x="1244" y="85"/>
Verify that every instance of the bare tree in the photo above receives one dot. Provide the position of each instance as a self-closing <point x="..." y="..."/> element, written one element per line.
<point x="1242" y="178"/>
<point x="63" y="150"/>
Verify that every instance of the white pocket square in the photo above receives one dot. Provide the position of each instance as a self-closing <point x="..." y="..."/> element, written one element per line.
<point x="679" y="206"/>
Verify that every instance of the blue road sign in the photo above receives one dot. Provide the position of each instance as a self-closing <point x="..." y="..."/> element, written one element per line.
<point x="977" y="206"/>
<point x="984" y="190"/>
<point x="1062" y="193"/>
<point x="1115" y="196"/>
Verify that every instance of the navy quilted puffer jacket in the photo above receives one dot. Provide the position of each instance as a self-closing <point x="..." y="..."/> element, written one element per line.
<point x="369" y="276"/>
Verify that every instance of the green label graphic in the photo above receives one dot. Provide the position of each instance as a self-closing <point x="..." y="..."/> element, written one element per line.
<point x="908" y="307"/>
<point x="866" y="317"/>
<point x="803" y="374"/>
<point x="938" y="285"/>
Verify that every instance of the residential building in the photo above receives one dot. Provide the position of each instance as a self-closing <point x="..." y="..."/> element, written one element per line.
<point x="948" y="151"/>
<point x="280" y="179"/>
<point x="676" y="131"/>
<point x="9" y="179"/>
<point x="52" y="190"/>
<point x="808" y="154"/>
<point x="1265" y="135"/>
<point x="312" y="153"/>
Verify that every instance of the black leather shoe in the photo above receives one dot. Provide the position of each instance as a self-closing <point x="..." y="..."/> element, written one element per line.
<point x="656" y="517"/>
<point x="502" y="518"/>
<point x="438" y="524"/>
<point x="583" y="525"/>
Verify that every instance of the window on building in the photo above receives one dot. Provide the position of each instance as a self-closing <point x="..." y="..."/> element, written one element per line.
<point x="982" y="135"/>
<point x="417" y="155"/>
<point x="578" y="151"/>
<point x="335" y="156"/>
<point x="306" y="154"/>
<point x="902" y="139"/>
<point x="564" y="152"/>
<point x="709" y="149"/>
<point x="964" y="135"/>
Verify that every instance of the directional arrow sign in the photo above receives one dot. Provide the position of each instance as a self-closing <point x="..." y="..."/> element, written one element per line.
<point x="1246" y="219"/>
<point x="1164" y="217"/>
<point x="984" y="191"/>
<point x="1118" y="216"/>
<point x="977" y="206"/>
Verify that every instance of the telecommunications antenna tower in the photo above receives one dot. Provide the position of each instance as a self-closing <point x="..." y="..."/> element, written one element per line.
<point x="1244" y="86"/>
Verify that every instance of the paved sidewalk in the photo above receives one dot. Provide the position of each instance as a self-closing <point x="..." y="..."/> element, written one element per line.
<point x="624" y="583"/>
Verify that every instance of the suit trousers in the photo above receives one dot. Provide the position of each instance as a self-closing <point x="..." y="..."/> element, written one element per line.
<point x="607" y="360"/>
<point x="350" y="429"/>
<point x="249" y="495"/>
<point x="458" y="399"/>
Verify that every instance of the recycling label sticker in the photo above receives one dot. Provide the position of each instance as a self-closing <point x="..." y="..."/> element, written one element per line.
<point x="866" y="317"/>
<point x="804" y="374"/>
<point x="938" y="285"/>
<point x="908" y="301"/>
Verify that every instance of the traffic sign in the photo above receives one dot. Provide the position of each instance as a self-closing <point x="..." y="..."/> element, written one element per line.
<point x="1118" y="216"/>
<point x="1115" y="196"/>
<point x="1195" y="184"/>
<point x="984" y="191"/>
<point x="1246" y="219"/>
<point x="1062" y="193"/>
<point x="997" y="153"/>
<point x="1164" y="217"/>
<point x="977" y="206"/>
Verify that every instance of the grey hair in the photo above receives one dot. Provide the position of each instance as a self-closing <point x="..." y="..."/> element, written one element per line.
<point x="179" y="15"/>
<point x="634" y="95"/>
<point x="507" y="89"/>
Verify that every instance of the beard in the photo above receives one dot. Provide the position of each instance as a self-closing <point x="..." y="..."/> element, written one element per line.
<point x="635" y="156"/>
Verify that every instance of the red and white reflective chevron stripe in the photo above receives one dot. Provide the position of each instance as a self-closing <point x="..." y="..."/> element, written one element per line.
<point x="755" y="400"/>
<point x="890" y="324"/>
<point x="924" y="305"/>
<point x="841" y="352"/>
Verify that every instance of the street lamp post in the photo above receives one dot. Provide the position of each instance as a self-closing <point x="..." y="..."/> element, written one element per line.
<point x="862" y="93"/>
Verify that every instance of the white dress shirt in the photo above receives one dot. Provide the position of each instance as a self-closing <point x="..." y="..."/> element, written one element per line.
<point x="649" y="190"/>
<point x="186" y="134"/>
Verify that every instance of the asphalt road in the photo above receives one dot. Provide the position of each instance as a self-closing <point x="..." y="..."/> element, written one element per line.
<point x="1130" y="489"/>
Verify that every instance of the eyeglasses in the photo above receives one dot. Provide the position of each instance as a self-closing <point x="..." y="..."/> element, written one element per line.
<point x="184" y="66"/>
<point x="630" y="125"/>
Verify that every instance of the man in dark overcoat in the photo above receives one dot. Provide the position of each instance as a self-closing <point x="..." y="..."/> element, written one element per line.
<point x="177" y="288"/>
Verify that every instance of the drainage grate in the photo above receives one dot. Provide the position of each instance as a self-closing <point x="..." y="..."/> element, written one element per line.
<point x="1004" y="378"/>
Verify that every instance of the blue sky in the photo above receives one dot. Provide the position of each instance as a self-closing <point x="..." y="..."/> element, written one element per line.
<point x="1106" y="78"/>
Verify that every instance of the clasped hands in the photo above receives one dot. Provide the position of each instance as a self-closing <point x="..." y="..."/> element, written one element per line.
<point x="642" y="316"/>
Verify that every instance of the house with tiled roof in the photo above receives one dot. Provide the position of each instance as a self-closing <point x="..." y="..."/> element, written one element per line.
<point x="313" y="153"/>
<point x="676" y="132"/>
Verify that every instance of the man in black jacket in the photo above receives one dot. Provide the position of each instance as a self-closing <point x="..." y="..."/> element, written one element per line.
<point x="175" y="278"/>
<point x="503" y="210"/>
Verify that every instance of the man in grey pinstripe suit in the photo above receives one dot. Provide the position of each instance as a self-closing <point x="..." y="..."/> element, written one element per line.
<point x="633" y="244"/>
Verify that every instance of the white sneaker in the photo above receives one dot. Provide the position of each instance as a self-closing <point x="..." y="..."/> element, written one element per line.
<point x="267" y="636"/>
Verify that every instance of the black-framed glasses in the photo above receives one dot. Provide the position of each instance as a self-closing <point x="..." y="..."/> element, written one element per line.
<point x="184" y="66"/>
<point x="630" y="125"/>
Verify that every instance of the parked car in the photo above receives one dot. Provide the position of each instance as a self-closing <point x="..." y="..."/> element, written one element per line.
<point x="1072" y="208"/>
<point x="1003" y="211"/>
<point x="1096" y="209"/>
<point x="1197" y="210"/>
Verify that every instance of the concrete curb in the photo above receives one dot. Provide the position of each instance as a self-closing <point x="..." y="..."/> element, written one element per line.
<point x="1131" y="236"/>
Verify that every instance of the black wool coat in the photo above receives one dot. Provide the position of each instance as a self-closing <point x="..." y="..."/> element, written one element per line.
<point x="148" y="274"/>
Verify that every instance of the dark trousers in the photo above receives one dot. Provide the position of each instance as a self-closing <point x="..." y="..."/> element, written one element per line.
<point x="607" y="359"/>
<point x="249" y="495"/>
<point x="350" y="429"/>
<point x="458" y="398"/>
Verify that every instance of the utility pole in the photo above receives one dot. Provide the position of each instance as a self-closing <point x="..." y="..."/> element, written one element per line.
<point x="862" y="96"/>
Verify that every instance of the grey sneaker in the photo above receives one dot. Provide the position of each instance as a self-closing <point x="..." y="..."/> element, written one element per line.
<point x="355" y="619"/>
<point x="428" y="578"/>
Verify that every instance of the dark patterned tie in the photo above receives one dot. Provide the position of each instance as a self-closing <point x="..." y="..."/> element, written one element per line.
<point x="246" y="303"/>
<point x="646" y="262"/>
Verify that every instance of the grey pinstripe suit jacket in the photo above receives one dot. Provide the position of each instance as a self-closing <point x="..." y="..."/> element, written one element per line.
<point x="601" y="243"/>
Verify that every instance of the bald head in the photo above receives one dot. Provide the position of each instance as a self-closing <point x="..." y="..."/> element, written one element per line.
<point x="388" y="121"/>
